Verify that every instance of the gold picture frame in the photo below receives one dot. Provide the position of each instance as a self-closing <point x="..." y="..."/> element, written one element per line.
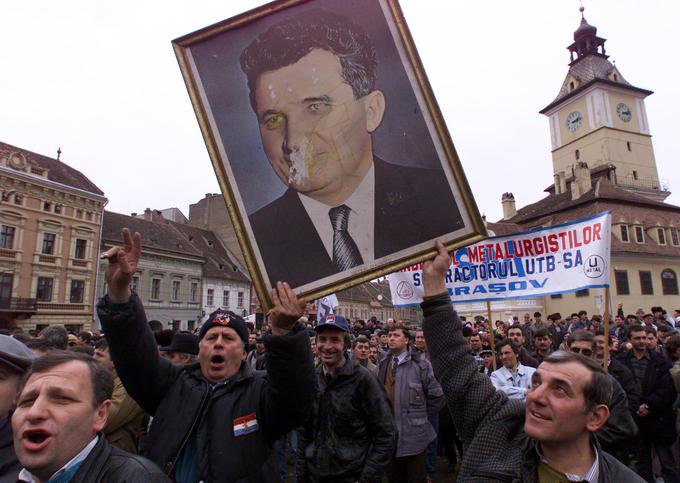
<point x="421" y="197"/>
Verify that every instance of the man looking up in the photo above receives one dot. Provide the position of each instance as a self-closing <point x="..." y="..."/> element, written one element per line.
<point x="547" y="439"/>
<point x="349" y="435"/>
<point x="61" y="410"/>
<point x="513" y="378"/>
<point x="312" y="82"/>
<point x="216" y="420"/>
<point x="618" y="432"/>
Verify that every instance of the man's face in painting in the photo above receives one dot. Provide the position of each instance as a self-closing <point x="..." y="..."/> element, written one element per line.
<point x="316" y="135"/>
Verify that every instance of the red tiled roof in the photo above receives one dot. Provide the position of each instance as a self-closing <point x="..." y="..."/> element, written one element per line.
<point x="57" y="171"/>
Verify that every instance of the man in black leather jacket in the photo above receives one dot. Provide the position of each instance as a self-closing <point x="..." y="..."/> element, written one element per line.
<point x="61" y="411"/>
<point x="216" y="420"/>
<point x="350" y="435"/>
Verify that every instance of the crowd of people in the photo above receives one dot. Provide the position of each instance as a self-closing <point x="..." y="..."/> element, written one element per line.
<point x="341" y="401"/>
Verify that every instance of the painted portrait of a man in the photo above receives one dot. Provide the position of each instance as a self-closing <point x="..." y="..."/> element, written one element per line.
<point x="323" y="132"/>
<point x="312" y="89"/>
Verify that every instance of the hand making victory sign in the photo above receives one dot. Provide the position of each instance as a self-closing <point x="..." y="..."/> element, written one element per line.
<point x="122" y="266"/>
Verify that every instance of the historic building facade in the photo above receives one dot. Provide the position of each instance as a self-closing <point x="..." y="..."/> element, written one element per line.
<point x="603" y="160"/>
<point x="184" y="273"/>
<point x="169" y="276"/>
<point x="50" y="224"/>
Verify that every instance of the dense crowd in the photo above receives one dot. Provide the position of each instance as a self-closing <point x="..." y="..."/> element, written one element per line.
<point x="335" y="400"/>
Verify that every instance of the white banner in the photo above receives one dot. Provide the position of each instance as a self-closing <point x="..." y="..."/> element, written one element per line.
<point x="325" y="306"/>
<point x="535" y="263"/>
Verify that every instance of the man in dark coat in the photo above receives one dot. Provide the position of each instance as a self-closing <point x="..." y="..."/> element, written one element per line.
<point x="216" y="420"/>
<point x="655" y="416"/>
<point x="544" y="439"/>
<point x="350" y="435"/>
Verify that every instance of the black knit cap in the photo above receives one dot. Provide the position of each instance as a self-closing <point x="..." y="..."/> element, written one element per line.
<point x="225" y="318"/>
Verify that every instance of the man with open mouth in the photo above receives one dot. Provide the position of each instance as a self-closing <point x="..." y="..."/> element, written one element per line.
<point x="215" y="420"/>
<point x="549" y="437"/>
<point x="61" y="411"/>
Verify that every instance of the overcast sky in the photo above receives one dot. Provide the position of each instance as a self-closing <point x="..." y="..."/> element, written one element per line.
<point x="100" y="79"/>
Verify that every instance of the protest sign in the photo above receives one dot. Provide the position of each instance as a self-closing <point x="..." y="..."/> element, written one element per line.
<point x="544" y="261"/>
<point x="325" y="306"/>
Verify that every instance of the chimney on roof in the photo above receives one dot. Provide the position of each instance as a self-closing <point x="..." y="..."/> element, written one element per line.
<point x="147" y="214"/>
<point x="581" y="183"/>
<point x="509" y="208"/>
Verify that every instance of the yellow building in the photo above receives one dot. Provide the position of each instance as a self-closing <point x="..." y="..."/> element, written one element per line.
<point x="603" y="160"/>
<point x="50" y="224"/>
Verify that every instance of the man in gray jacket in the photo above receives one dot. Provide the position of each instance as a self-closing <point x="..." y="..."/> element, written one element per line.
<point x="414" y="394"/>
<point x="548" y="438"/>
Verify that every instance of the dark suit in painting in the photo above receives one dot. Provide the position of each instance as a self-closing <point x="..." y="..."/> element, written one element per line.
<point x="412" y="205"/>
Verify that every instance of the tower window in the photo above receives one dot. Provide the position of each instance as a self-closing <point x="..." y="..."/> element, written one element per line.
<point x="577" y="154"/>
<point x="571" y="86"/>
<point x="628" y="146"/>
<point x="635" y="175"/>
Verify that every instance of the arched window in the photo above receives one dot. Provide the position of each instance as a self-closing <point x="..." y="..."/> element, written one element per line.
<point x="669" y="282"/>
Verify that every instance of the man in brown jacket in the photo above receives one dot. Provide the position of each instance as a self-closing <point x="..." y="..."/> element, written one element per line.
<point x="125" y="415"/>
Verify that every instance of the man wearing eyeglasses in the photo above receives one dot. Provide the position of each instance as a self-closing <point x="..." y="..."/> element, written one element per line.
<point x="618" y="432"/>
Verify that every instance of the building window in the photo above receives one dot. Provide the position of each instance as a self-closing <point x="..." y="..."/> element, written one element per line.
<point x="661" y="233"/>
<point x="211" y="297"/>
<point x="77" y="291"/>
<point x="669" y="282"/>
<point x="81" y="246"/>
<point x="48" y="243"/>
<point x="57" y="208"/>
<point x="239" y="300"/>
<point x="639" y="234"/>
<point x="175" y="289"/>
<point x="79" y="214"/>
<point x="156" y="288"/>
<point x="674" y="236"/>
<point x="621" y="279"/>
<point x="583" y="293"/>
<point x="629" y="146"/>
<point x="47" y="206"/>
<point x="577" y="153"/>
<point x="135" y="284"/>
<point x="44" y="292"/>
<point x="225" y="298"/>
<point x="191" y="325"/>
<point x="646" y="287"/>
<point x="624" y="233"/>
<point x="194" y="291"/>
<point x="556" y="296"/>
<point x="635" y="175"/>
<point x="176" y="325"/>
<point x="7" y="237"/>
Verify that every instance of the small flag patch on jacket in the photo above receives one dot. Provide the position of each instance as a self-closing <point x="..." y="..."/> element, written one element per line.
<point x="245" y="425"/>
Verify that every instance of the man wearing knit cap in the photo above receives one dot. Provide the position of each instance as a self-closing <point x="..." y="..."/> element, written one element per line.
<point x="15" y="358"/>
<point x="215" y="420"/>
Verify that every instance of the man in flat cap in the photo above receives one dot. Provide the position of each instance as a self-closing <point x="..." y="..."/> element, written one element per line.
<point x="15" y="358"/>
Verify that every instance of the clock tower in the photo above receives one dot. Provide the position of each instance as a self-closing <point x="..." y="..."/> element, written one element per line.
<point x="599" y="118"/>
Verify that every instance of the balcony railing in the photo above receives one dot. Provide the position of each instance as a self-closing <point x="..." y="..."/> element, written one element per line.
<point x="15" y="304"/>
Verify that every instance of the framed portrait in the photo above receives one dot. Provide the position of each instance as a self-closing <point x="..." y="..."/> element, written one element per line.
<point x="331" y="152"/>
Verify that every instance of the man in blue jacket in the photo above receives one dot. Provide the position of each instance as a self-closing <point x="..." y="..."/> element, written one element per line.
<point x="216" y="420"/>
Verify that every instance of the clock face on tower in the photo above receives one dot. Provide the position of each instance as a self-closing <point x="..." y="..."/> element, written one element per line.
<point x="574" y="121"/>
<point x="624" y="112"/>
